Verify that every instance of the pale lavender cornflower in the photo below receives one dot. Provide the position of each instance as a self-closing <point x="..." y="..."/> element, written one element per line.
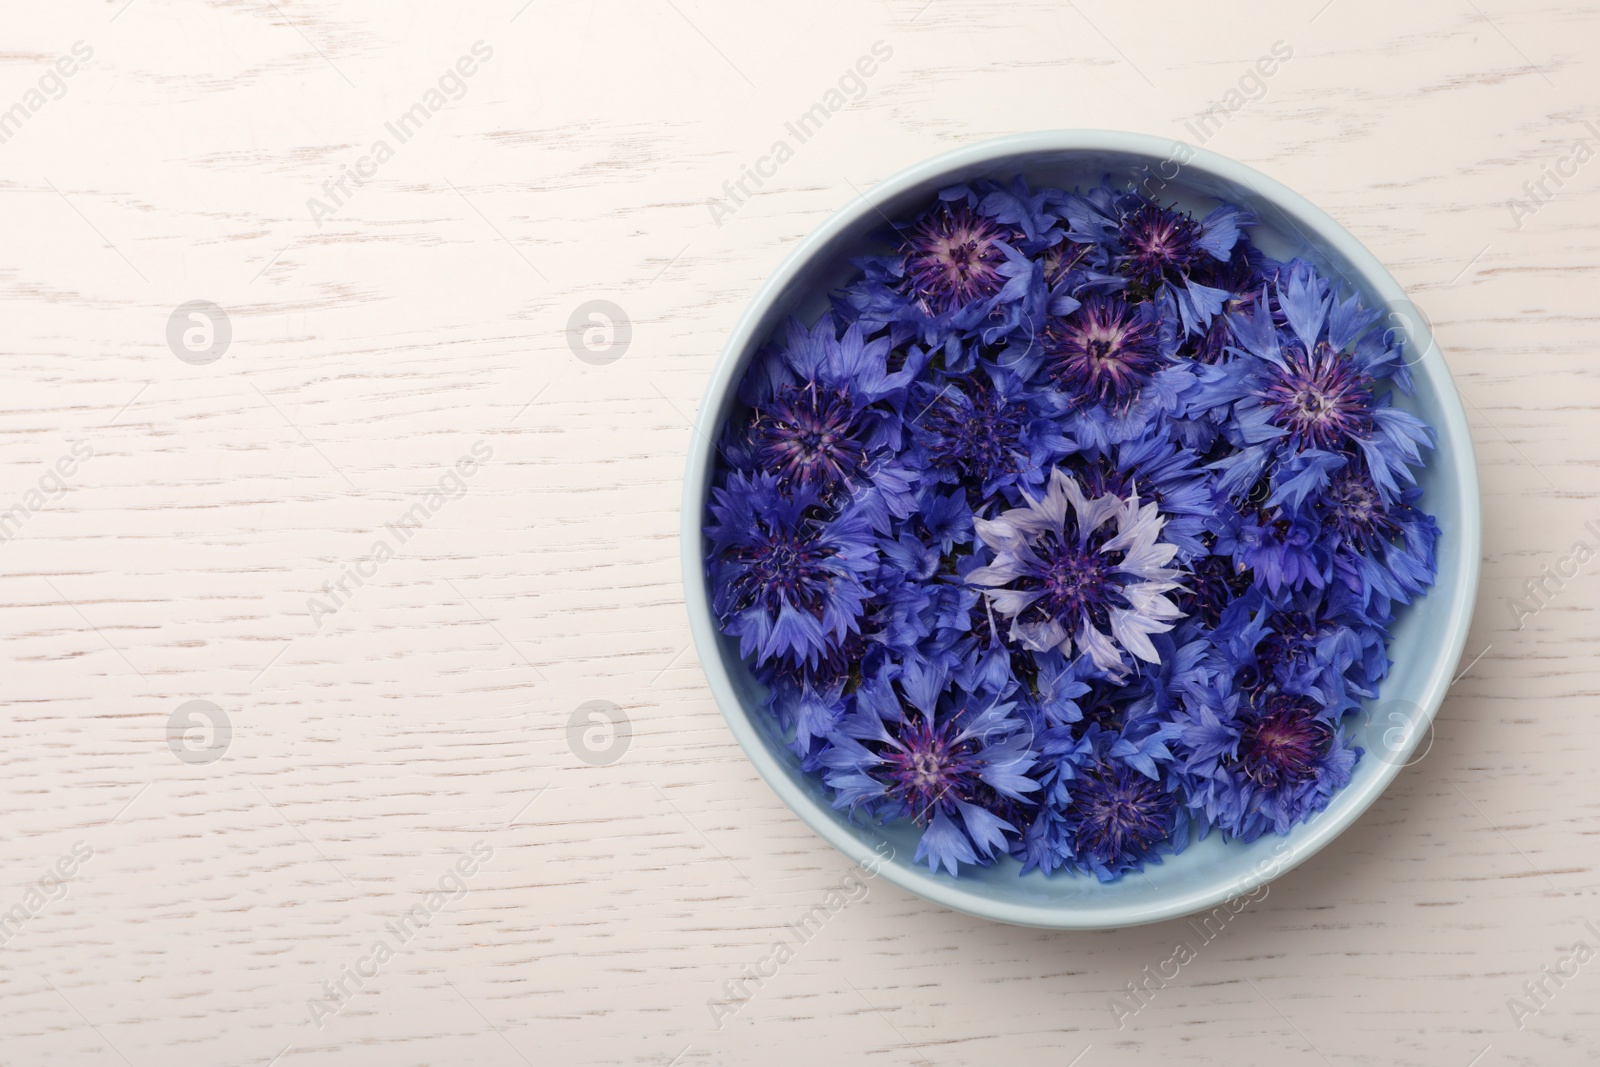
<point x="1073" y="570"/>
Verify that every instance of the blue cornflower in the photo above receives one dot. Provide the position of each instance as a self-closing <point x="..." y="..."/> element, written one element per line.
<point x="789" y="584"/>
<point x="811" y="434"/>
<point x="1107" y="806"/>
<point x="1311" y="388"/>
<point x="1252" y="768"/>
<point x="1061" y="260"/>
<point x="1158" y="242"/>
<point x="1153" y="245"/>
<point x="824" y="403"/>
<point x="1103" y="352"/>
<point x="827" y="413"/>
<point x="1119" y="818"/>
<point x="954" y="256"/>
<point x="1317" y="398"/>
<point x="985" y="435"/>
<point x="1383" y="549"/>
<point x="944" y="765"/>
<point x="958" y="270"/>
<point x="1163" y="244"/>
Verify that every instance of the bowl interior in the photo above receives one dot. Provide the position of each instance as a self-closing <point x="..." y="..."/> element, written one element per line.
<point x="1427" y="636"/>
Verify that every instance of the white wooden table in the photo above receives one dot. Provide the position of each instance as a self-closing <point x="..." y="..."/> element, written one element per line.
<point x="175" y="520"/>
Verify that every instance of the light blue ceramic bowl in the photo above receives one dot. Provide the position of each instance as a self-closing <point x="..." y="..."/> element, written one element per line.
<point x="1427" y="639"/>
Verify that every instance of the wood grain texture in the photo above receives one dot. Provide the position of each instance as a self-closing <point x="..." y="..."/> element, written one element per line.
<point x="376" y="343"/>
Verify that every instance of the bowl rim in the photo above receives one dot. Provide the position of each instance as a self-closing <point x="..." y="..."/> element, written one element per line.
<point x="1310" y="837"/>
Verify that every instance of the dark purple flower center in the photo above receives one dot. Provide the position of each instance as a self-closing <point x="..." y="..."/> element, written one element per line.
<point x="1075" y="580"/>
<point x="978" y="436"/>
<point x="1121" y="814"/>
<point x="1320" y="399"/>
<point x="1285" y="745"/>
<point x="1357" y="512"/>
<point x="1157" y="241"/>
<point x="1103" y="352"/>
<point x="953" y="256"/>
<point x="810" y="435"/>
<point x="927" y="770"/>
<point x="785" y="567"/>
